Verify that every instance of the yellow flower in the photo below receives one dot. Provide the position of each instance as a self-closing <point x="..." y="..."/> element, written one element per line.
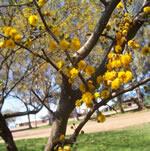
<point x="60" y="149"/>
<point x="41" y="2"/>
<point x="116" y="63"/>
<point x="60" y="64"/>
<point x="82" y="88"/>
<point x="6" y="30"/>
<point x="124" y="32"/>
<point x="111" y="55"/>
<point x="67" y="148"/>
<point x="105" y="94"/>
<point x="33" y="20"/>
<point x="126" y="59"/>
<point x="78" y="103"/>
<point x="87" y="98"/>
<point x="125" y="77"/>
<point x="2" y="44"/>
<point x="96" y="95"/>
<point x="56" y="31"/>
<point x="146" y="50"/>
<point x="12" y="32"/>
<point x="52" y="45"/>
<point x="73" y="73"/>
<point x="120" y="5"/>
<point x="89" y="70"/>
<point x="115" y="84"/>
<point x="62" y="137"/>
<point x="99" y="79"/>
<point x="146" y="10"/>
<point x="64" y="44"/>
<point x="110" y="75"/>
<point x="90" y="85"/>
<point x="129" y="76"/>
<point x="81" y="65"/>
<point x="101" y="118"/>
<point x="118" y="48"/>
<point x="133" y="44"/>
<point x="75" y="43"/>
<point x="17" y="37"/>
<point x="118" y="35"/>
<point x="9" y="43"/>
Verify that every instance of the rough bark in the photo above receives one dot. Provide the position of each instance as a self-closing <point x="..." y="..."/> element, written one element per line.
<point x="65" y="107"/>
<point x="6" y="135"/>
<point x="140" y="101"/>
<point x="120" y="103"/>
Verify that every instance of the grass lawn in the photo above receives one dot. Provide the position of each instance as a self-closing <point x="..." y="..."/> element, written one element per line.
<point x="135" y="138"/>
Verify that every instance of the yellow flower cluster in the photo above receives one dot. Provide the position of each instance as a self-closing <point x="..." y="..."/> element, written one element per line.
<point x="13" y="36"/>
<point x="65" y="148"/>
<point x="133" y="44"/>
<point x="87" y="98"/>
<point x="123" y="31"/>
<point x="116" y="61"/>
<point x="75" y="43"/>
<point x="74" y="73"/>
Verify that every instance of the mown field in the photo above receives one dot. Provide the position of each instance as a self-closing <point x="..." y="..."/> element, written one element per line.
<point x="135" y="138"/>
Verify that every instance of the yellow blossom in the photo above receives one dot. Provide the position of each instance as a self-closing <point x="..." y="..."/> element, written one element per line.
<point x="17" y="37"/>
<point x="60" y="64"/>
<point x="99" y="79"/>
<point x="120" y="5"/>
<point x="64" y="44"/>
<point x="129" y="76"/>
<point x="82" y="88"/>
<point x="81" y="65"/>
<point x="126" y="59"/>
<point x="9" y="43"/>
<point x="2" y="44"/>
<point x="90" y="85"/>
<point x="75" y="43"/>
<point x="115" y="84"/>
<point x="110" y="75"/>
<point x="78" y="103"/>
<point x="6" y="30"/>
<point x="146" y="50"/>
<point x="133" y="44"/>
<point x="105" y="94"/>
<point x="96" y="95"/>
<point x="73" y="73"/>
<point x="87" y="98"/>
<point x="101" y="118"/>
<point x="118" y="48"/>
<point x="89" y="70"/>
<point x="146" y="10"/>
<point x="33" y="20"/>
<point x="67" y="148"/>
<point x="41" y="2"/>
<point x="52" y="45"/>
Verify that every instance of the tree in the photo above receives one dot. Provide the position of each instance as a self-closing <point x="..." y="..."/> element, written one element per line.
<point x="87" y="44"/>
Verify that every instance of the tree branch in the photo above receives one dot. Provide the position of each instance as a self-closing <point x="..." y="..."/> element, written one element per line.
<point x="91" y="42"/>
<point x="103" y="102"/>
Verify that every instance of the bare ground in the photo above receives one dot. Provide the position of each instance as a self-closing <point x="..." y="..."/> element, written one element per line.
<point x="112" y="123"/>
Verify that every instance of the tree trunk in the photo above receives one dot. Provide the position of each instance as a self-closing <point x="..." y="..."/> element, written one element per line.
<point x="6" y="135"/>
<point x="65" y="107"/>
<point x="29" y="121"/>
<point x="120" y="104"/>
<point x="140" y="100"/>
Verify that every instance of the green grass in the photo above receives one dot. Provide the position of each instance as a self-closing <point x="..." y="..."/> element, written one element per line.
<point x="135" y="138"/>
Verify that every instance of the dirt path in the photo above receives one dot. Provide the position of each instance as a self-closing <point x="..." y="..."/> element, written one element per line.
<point x="112" y="123"/>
